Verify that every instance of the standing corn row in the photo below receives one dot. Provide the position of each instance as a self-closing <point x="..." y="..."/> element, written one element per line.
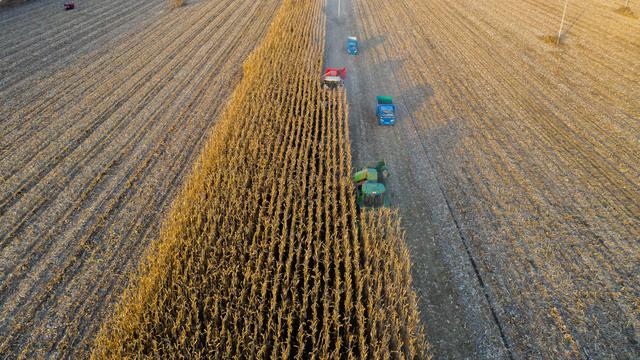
<point x="261" y="255"/>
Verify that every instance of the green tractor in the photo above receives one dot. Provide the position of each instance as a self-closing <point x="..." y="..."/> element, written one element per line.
<point x="370" y="189"/>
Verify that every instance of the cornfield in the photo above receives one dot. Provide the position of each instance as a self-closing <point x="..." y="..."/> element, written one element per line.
<point x="263" y="254"/>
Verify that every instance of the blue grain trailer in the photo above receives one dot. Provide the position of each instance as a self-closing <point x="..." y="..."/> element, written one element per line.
<point x="352" y="45"/>
<point x="386" y="110"/>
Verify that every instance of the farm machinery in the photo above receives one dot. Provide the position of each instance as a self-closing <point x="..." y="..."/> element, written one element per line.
<point x="69" y="5"/>
<point x="370" y="186"/>
<point x="334" y="77"/>
<point x="352" y="45"/>
<point x="386" y="110"/>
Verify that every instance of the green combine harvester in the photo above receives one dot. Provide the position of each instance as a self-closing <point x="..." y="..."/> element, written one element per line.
<point x="370" y="189"/>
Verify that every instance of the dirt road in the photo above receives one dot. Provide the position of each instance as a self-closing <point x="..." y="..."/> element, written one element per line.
<point x="102" y="110"/>
<point x="454" y="309"/>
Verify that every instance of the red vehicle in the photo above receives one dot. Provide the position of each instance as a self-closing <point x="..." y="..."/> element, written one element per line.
<point x="69" y="5"/>
<point x="334" y="77"/>
<point x="341" y="72"/>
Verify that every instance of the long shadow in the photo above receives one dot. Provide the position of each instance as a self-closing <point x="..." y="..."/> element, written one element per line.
<point x="411" y="98"/>
<point x="570" y="24"/>
<point x="415" y="97"/>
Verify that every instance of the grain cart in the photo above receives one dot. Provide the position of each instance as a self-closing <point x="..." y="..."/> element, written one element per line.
<point x="386" y="111"/>
<point x="370" y="186"/>
<point x="352" y="45"/>
<point x="333" y="77"/>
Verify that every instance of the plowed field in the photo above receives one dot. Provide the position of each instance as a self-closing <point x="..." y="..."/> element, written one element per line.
<point x="102" y="110"/>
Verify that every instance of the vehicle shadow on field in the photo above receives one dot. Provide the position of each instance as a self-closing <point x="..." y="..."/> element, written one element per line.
<point x="411" y="97"/>
<point x="383" y="72"/>
<point x="571" y="22"/>
<point x="447" y="135"/>
<point x="367" y="44"/>
<point x="415" y="98"/>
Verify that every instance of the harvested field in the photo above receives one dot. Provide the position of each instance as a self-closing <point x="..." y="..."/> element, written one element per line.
<point x="262" y="256"/>
<point x="102" y="112"/>
<point x="38" y="37"/>
<point x="535" y="148"/>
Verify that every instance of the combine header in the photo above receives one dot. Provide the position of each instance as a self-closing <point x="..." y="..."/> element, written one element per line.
<point x="334" y="77"/>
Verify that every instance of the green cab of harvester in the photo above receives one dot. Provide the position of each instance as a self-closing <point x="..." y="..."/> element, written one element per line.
<point x="370" y="186"/>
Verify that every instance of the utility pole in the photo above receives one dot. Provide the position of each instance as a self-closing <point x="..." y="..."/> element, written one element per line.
<point x="566" y="2"/>
<point x="339" y="8"/>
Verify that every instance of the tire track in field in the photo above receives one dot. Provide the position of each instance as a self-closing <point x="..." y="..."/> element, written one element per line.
<point x="510" y="141"/>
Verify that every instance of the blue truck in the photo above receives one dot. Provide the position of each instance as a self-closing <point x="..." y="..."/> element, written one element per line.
<point x="386" y="111"/>
<point x="352" y="45"/>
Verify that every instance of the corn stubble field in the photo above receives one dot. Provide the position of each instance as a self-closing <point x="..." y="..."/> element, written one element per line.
<point x="537" y="149"/>
<point x="94" y="151"/>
